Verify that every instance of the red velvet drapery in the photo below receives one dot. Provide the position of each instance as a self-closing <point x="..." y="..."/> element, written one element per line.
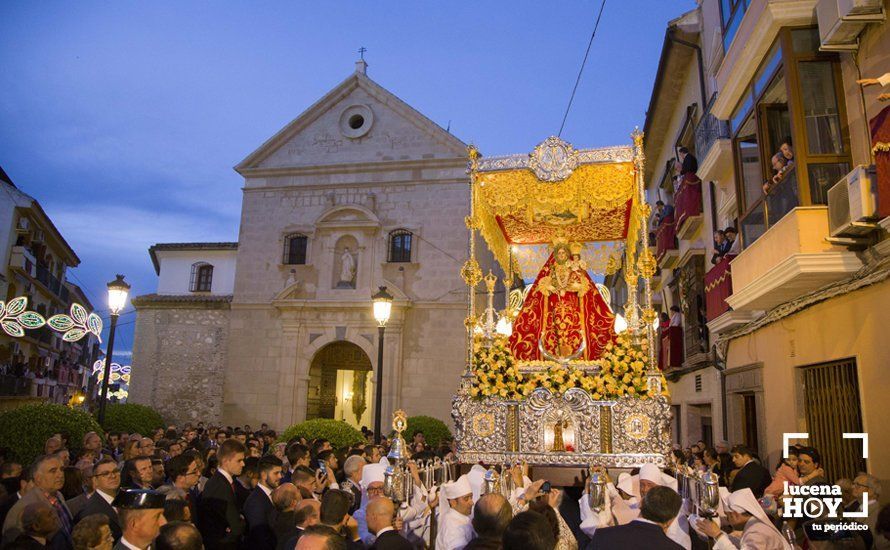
<point x="560" y="320"/>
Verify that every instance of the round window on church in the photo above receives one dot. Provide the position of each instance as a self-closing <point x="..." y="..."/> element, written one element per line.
<point x="356" y="121"/>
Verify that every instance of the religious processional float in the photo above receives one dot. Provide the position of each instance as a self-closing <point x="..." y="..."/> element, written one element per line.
<point x="550" y="380"/>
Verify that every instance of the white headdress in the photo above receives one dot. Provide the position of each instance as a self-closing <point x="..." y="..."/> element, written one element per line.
<point x="744" y="501"/>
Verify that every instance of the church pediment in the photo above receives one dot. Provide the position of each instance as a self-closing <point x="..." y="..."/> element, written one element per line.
<point x="357" y="122"/>
<point x="348" y="216"/>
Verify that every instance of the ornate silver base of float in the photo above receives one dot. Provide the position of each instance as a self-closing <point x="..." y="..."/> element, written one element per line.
<point x="562" y="430"/>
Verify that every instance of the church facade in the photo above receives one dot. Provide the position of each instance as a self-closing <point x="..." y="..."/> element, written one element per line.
<point x="359" y="191"/>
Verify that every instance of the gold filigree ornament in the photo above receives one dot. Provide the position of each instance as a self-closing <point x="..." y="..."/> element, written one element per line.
<point x="471" y="273"/>
<point x="646" y="263"/>
<point x="649" y="315"/>
<point x="637" y="426"/>
<point x="483" y="424"/>
<point x="490" y="281"/>
<point x="613" y="264"/>
<point x="553" y="159"/>
<point x="400" y="421"/>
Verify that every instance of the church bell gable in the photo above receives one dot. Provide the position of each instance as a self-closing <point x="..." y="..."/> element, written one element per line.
<point x="358" y="122"/>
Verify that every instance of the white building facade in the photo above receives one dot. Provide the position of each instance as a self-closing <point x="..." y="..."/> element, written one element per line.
<point x="360" y="191"/>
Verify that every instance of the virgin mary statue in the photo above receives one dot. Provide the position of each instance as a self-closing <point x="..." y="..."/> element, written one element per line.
<point x="564" y="315"/>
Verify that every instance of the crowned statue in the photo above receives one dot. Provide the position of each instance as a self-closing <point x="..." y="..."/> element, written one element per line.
<point x="564" y="315"/>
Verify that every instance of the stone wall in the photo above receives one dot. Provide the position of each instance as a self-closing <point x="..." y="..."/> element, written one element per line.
<point x="180" y="355"/>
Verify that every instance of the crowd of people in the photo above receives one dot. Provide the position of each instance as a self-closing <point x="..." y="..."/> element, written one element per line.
<point x="237" y="488"/>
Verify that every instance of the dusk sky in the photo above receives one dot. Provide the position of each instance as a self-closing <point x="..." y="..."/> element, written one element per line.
<point x="125" y="119"/>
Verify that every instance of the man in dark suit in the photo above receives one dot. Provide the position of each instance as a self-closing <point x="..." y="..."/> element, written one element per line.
<point x="107" y="482"/>
<point x="15" y="488"/>
<point x="258" y="507"/>
<point x="246" y="482"/>
<point x="306" y="515"/>
<point x="659" y="508"/>
<point x="335" y="513"/>
<point x="39" y="522"/>
<point x="379" y="514"/>
<point x="297" y="455"/>
<point x="219" y="521"/>
<point x="750" y="473"/>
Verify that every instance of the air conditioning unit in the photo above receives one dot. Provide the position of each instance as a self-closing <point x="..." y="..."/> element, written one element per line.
<point x="841" y="21"/>
<point x="24" y="225"/>
<point x="852" y="202"/>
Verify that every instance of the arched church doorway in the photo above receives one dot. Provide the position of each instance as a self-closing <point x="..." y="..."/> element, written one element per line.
<point x="340" y="384"/>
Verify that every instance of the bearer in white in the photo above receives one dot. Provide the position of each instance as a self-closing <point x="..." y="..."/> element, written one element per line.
<point x="455" y="507"/>
<point x="618" y="511"/>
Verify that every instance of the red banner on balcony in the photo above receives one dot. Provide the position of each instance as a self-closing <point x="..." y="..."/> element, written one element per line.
<point x="718" y="287"/>
<point x="665" y="237"/>
<point x="670" y="354"/>
<point x="688" y="200"/>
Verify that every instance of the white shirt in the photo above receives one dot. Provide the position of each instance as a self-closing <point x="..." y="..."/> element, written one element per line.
<point x="457" y="531"/>
<point x="226" y="475"/>
<point x="384" y="530"/>
<point x="676" y="319"/>
<point x="108" y="498"/>
<point x="127" y="544"/>
<point x="266" y="490"/>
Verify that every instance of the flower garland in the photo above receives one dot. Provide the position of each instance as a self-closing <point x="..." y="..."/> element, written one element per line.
<point x="622" y="373"/>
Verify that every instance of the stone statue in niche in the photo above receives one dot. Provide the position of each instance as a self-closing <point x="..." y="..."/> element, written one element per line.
<point x="347" y="270"/>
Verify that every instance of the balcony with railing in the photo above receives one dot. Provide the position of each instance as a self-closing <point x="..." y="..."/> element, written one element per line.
<point x="51" y="282"/>
<point x="790" y="259"/>
<point x="713" y="146"/>
<point x="21" y="258"/>
<point x="670" y="353"/>
<point x="718" y="287"/>
<point x="666" y="252"/>
<point x="688" y="204"/>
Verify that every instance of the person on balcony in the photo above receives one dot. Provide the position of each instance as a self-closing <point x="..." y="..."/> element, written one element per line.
<point x="721" y="246"/>
<point x="780" y="166"/>
<point x="688" y="163"/>
<point x="787" y="152"/>
<point x="676" y="319"/>
<point x="735" y="247"/>
<point x="663" y="213"/>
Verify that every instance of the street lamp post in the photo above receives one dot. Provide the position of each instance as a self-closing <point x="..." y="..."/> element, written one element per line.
<point x="117" y="300"/>
<point x="382" y="301"/>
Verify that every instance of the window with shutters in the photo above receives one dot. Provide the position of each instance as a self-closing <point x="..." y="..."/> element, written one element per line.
<point x="201" y="277"/>
<point x="295" y="249"/>
<point x="400" y="242"/>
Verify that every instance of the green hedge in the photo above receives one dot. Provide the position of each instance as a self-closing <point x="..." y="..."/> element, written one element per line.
<point x="338" y="432"/>
<point x="130" y="418"/>
<point x="24" y="430"/>
<point x="434" y="430"/>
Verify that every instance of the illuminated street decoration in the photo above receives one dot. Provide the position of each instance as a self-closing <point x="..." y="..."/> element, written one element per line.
<point x="14" y="319"/>
<point x="120" y="374"/>
<point x="77" y="325"/>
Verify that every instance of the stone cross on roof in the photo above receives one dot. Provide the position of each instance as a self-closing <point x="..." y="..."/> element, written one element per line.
<point x="361" y="66"/>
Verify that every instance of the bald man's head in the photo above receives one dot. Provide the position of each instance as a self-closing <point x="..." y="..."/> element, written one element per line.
<point x="491" y="515"/>
<point x="379" y="514"/>
<point x="286" y="497"/>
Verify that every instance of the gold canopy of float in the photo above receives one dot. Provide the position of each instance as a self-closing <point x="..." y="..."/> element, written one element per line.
<point x="521" y="203"/>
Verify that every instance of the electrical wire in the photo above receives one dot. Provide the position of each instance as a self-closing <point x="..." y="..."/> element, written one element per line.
<point x="581" y="70"/>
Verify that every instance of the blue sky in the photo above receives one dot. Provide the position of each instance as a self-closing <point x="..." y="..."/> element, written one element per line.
<point x="125" y="119"/>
